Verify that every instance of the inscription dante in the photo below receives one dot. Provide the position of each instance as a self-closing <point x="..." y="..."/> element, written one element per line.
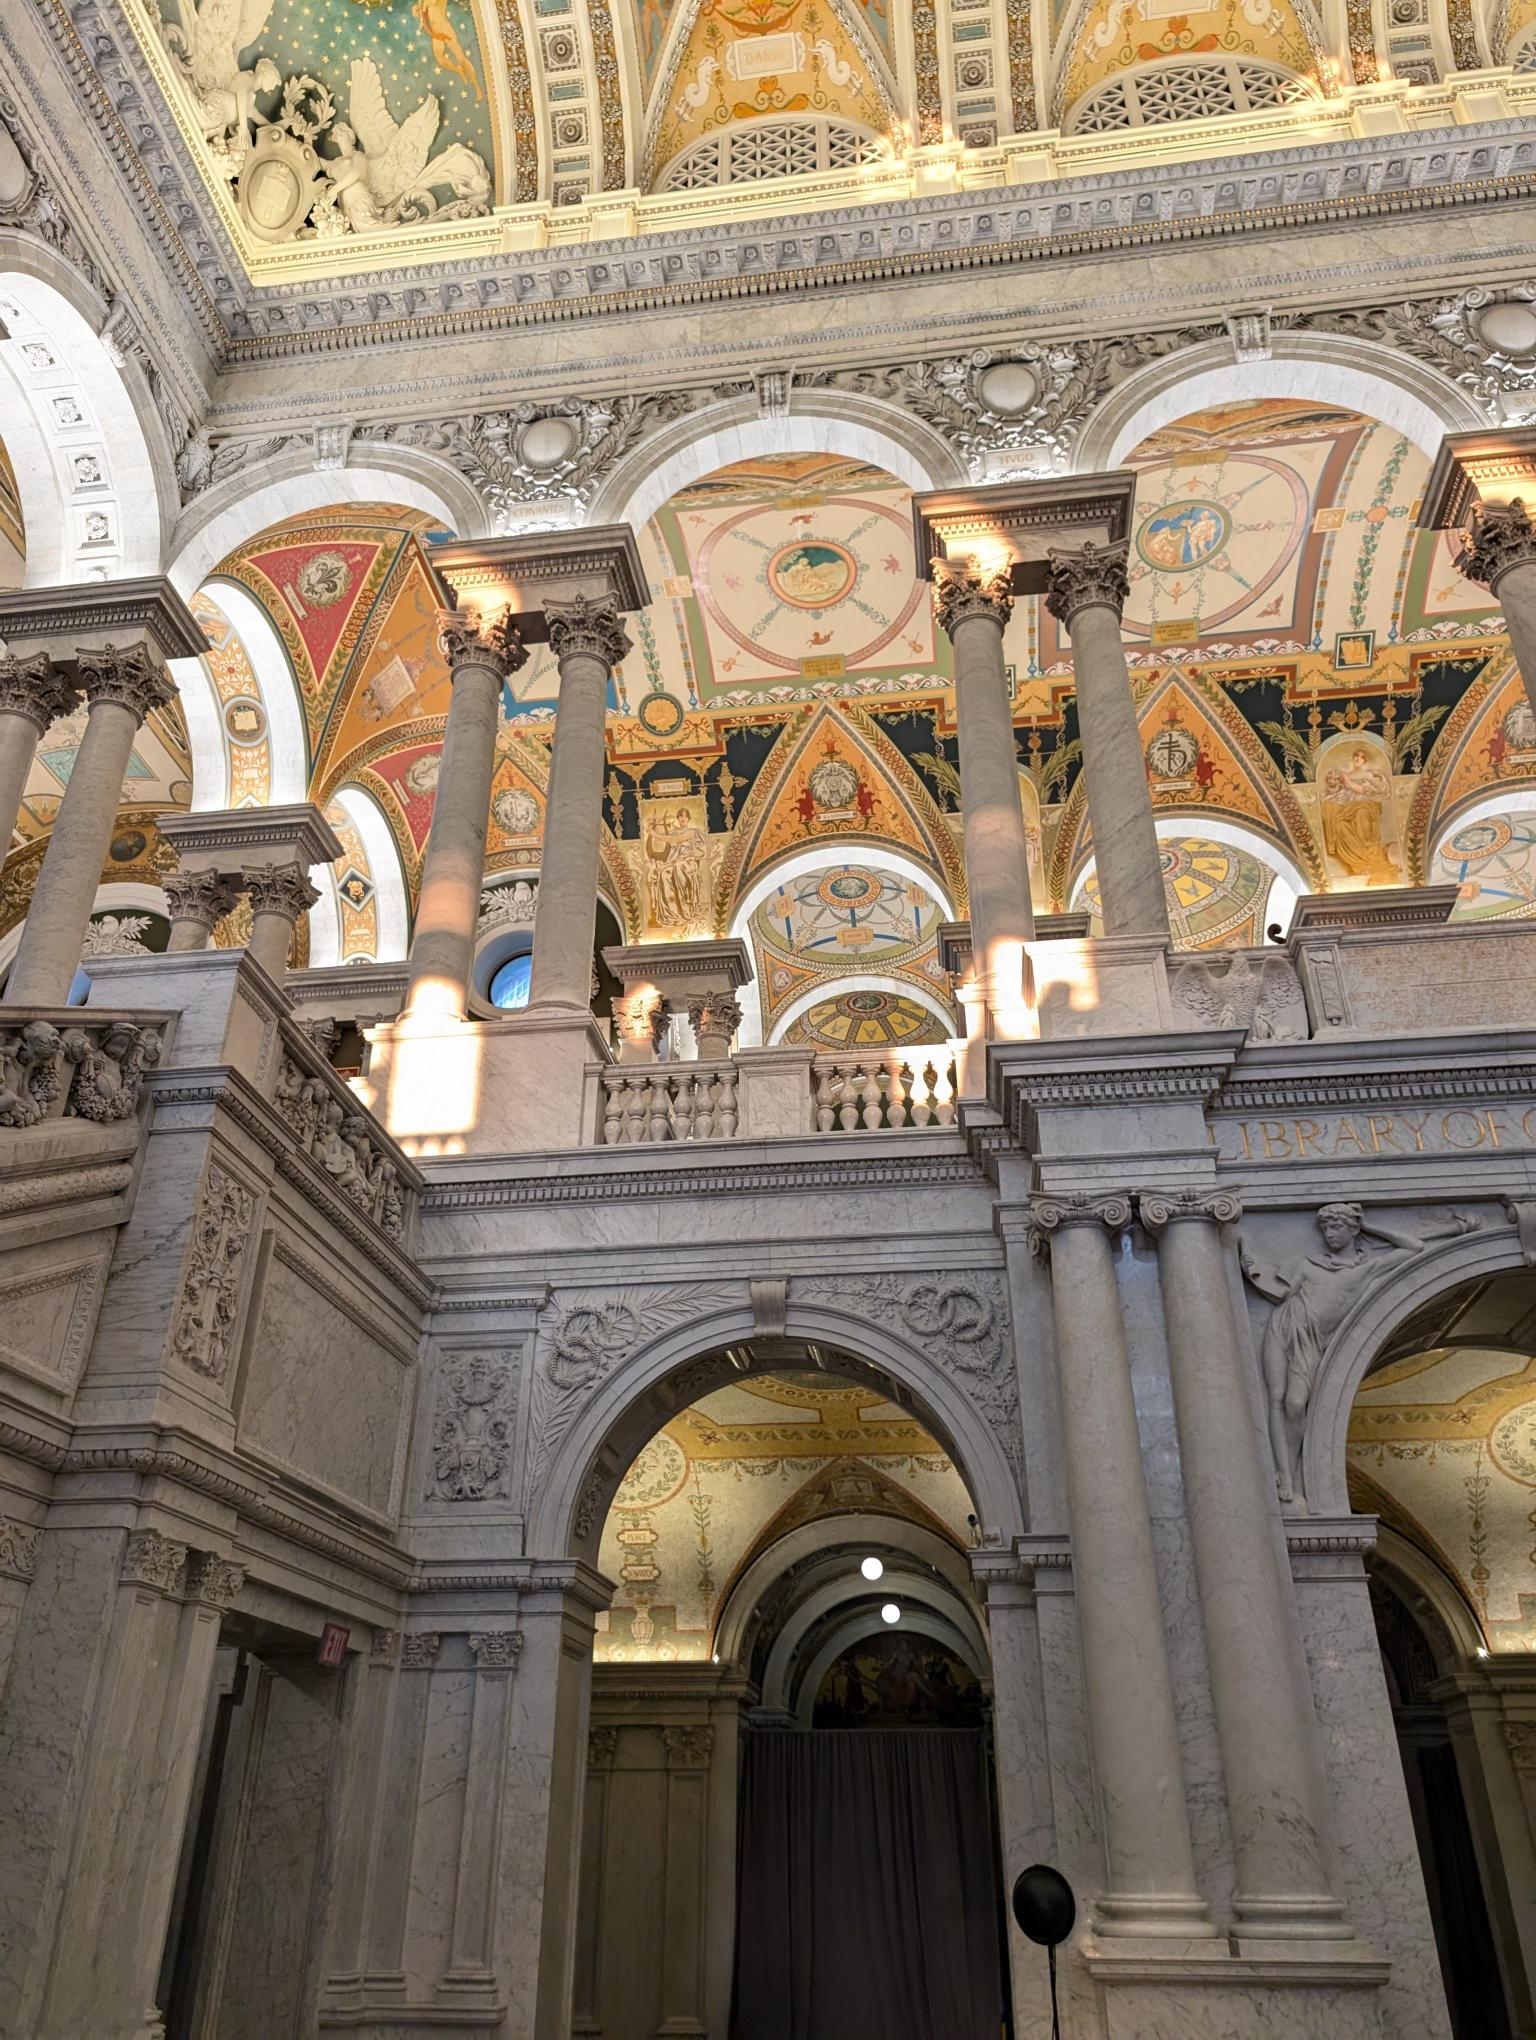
<point x="1331" y="1137"/>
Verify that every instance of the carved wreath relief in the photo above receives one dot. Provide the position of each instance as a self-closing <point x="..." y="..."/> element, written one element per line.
<point x="473" y="1431"/>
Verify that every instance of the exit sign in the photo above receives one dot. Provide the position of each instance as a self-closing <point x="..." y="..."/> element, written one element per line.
<point x="333" y="1644"/>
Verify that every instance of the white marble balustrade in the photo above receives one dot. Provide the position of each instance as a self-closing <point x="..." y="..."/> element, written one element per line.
<point x="883" y="1090"/>
<point x="668" y="1101"/>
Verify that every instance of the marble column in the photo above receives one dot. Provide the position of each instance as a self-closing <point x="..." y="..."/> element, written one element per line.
<point x="1151" y="1889"/>
<point x="1500" y="555"/>
<point x="480" y="657"/>
<point x="198" y="901"/>
<point x="280" y="893"/>
<point x="33" y="693"/>
<point x="1086" y="595"/>
<point x="973" y="605"/>
<point x="122" y="685"/>
<point x="589" y="641"/>
<point x="1263" y="1700"/>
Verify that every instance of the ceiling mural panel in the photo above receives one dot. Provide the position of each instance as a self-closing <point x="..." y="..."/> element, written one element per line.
<point x="724" y="1479"/>
<point x="1113" y="35"/>
<point x="243" y="716"/>
<point x="866" y="1018"/>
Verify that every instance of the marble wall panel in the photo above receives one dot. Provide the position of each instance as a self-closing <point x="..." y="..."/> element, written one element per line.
<point x="324" y="1392"/>
<point x="439" y="1821"/>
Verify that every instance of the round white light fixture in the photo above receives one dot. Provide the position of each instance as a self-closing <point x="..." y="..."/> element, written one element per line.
<point x="871" y="1568"/>
<point x="890" y="1612"/>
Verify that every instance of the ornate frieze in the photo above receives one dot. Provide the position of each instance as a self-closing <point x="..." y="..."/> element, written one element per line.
<point x="1520" y="1741"/>
<point x="207" y="1308"/>
<point x="385" y="1647"/>
<point x="473" y="1430"/>
<point x="93" y="1071"/>
<point x="320" y="1113"/>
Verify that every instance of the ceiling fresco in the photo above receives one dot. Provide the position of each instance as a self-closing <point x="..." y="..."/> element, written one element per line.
<point x="740" y="1469"/>
<point x="843" y="919"/>
<point x="1106" y="36"/>
<point x="13" y="531"/>
<point x="1442" y="1446"/>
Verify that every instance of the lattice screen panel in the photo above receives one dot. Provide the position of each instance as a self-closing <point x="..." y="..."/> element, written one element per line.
<point x="1195" y="89"/>
<point x="784" y="148"/>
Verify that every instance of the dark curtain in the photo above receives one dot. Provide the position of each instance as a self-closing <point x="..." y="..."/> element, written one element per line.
<point x="1469" y="1959"/>
<point x="867" y="1901"/>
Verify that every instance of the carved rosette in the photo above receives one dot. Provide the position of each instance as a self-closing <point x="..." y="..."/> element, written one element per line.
<point x="1501" y="538"/>
<point x="201" y="897"/>
<point x="1093" y="577"/>
<point x="154" y="1561"/>
<point x="130" y="675"/>
<point x="34" y="687"/>
<point x="418" y="1653"/>
<point x="282" y="889"/>
<point x="496" y="1650"/>
<point x="1053" y="1214"/>
<point x="689" y="1746"/>
<point x="1159" y="1208"/>
<point x="587" y="629"/>
<point x="213" y="1581"/>
<point x="963" y="589"/>
<point x="467" y="643"/>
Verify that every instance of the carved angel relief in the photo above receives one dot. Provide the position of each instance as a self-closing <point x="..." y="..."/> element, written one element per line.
<point x="1313" y="1294"/>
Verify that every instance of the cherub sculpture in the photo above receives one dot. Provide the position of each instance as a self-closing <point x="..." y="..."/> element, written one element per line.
<point x="385" y="172"/>
<point x="208" y="43"/>
<point x="1312" y="1296"/>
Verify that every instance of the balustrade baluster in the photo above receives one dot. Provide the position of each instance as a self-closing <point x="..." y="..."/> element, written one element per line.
<point x="686" y="1101"/>
<point x="944" y="1093"/>
<point x="824" y="1112"/>
<point x="613" y="1108"/>
<point x="725" y="1097"/>
<point x="919" y="1092"/>
<point x="634" y="1108"/>
<point x="659" y="1120"/>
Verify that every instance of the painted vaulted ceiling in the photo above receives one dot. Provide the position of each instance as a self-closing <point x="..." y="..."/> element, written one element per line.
<point x="339" y="122"/>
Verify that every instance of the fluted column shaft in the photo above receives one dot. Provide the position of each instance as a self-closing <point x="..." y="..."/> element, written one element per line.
<point x="973" y="606"/>
<point x="1087" y="596"/>
<point x="448" y="911"/>
<point x="1129" y="1687"/>
<point x="1500" y="555"/>
<point x="1263" y="1722"/>
<point x="122" y="687"/>
<point x="33" y="692"/>
<point x="589" y="641"/>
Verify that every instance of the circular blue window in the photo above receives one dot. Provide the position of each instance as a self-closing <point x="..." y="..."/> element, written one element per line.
<point x="509" y="986"/>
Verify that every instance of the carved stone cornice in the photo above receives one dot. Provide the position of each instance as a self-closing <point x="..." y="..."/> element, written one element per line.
<point x="202" y="897"/>
<point x="584" y="627"/>
<point x="1160" y="1208"/>
<point x="1090" y="577"/>
<point x="34" y="687"/>
<point x="282" y="889"/>
<point x="466" y="643"/>
<point x="607" y="1185"/>
<point x="129" y="675"/>
<point x="1501" y="537"/>
<point x="963" y="589"/>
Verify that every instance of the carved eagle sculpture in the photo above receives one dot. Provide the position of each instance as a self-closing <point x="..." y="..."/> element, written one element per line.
<point x="385" y="170"/>
<point x="207" y="44"/>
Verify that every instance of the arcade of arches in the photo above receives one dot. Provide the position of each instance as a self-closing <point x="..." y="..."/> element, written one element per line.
<point x="665" y="1310"/>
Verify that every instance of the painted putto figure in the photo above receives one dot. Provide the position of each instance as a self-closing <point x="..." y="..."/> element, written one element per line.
<point x="1313" y="1295"/>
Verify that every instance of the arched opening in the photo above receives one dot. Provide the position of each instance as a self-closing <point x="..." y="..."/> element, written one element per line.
<point x="794" y="1671"/>
<point x="1441" y="1451"/>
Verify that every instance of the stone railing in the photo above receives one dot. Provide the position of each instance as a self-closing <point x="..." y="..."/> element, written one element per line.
<point x="331" y="1126"/>
<point x="74" y="1064"/>
<point x="883" y="1090"/>
<point x="645" y="1102"/>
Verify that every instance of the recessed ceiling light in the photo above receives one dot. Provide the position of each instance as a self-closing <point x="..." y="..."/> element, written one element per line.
<point x="871" y="1568"/>
<point x="890" y="1612"/>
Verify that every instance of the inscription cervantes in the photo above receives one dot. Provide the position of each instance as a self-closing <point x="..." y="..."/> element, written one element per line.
<point x="1367" y="1136"/>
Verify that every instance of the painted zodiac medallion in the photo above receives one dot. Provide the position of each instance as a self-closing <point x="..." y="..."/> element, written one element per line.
<point x="812" y="573"/>
<point x="1183" y="535"/>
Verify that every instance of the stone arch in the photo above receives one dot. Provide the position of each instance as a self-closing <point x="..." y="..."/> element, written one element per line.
<point x="78" y="405"/>
<point x="288" y="734"/>
<point x="574" y="1485"/>
<point x="1287" y="885"/>
<point x="737" y="428"/>
<point x="1359" y="375"/>
<point x="1397" y="1296"/>
<point x="244" y="505"/>
<point x="1422" y="1584"/>
<point x="869" y="981"/>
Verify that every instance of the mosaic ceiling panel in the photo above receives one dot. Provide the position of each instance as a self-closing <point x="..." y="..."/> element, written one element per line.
<point x="727" y="1477"/>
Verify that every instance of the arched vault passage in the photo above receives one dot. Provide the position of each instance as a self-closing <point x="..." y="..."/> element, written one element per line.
<point x="672" y="1371"/>
<point x="824" y="421"/>
<point x="1327" y="368"/>
<point x="1401" y="1292"/>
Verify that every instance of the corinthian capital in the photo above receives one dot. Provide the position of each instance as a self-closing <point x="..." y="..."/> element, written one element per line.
<point x="280" y="889"/>
<point x="1501" y="537"/>
<point x="1166" y="1207"/>
<point x="1053" y="1214"/>
<point x="201" y="896"/>
<point x="586" y="628"/>
<point x="465" y="641"/>
<point x="130" y="675"/>
<point x="1093" y="577"/>
<point x="964" y="588"/>
<point x="34" y="687"/>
